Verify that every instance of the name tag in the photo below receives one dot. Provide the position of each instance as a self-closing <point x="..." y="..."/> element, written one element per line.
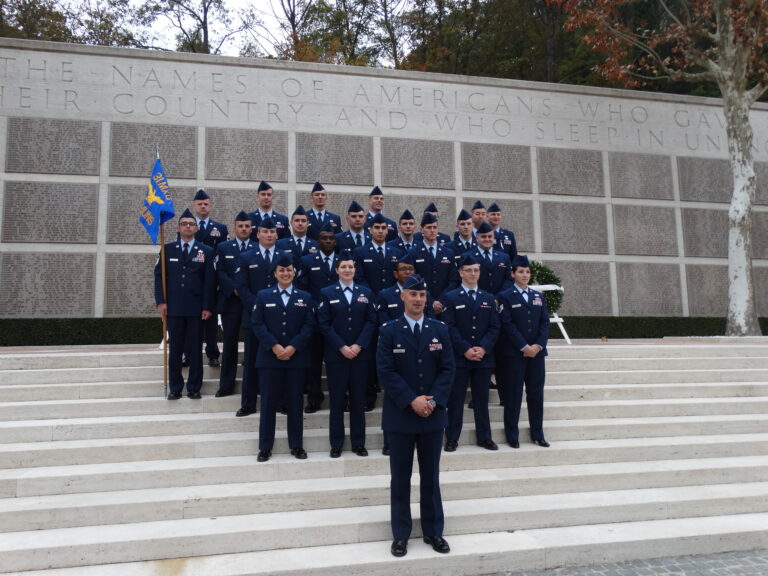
<point x="173" y="259"/>
<point x="253" y="266"/>
<point x="398" y="351"/>
<point x="318" y="268"/>
<point x="225" y="256"/>
<point x="334" y="301"/>
<point x="367" y="260"/>
<point x="393" y="306"/>
<point x="422" y="260"/>
<point x="270" y="305"/>
<point x="515" y="305"/>
<point x="460" y="306"/>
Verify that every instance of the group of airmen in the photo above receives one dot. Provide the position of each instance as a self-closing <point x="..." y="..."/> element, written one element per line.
<point x="420" y="314"/>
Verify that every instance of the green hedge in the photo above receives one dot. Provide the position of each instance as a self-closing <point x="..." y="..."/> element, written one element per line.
<point x="81" y="331"/>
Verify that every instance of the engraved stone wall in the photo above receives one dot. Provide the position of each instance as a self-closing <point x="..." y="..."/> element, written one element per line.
<point x="334" y="159"/>
<point x="133" y="149"/>
<point x="496" y="167"/>
<point x="707" y="290"/>
<point x="123" y="216"/>
<point x="50" y="212"/>
<point x="339" y="201"/>
<point x="47" y="146"/>
<point x="641" y="176"/>
<point x="705" y="233"/>
<point x="570" y="172"/>
<point x="760" y="235"/>
<point x="567" y="227"/>
<point x="46" y="285"/>
<point x="254" y="155"/>
<point x="645" y="230"/>
<point x="705" y="180"/>
<point x="579" y="280"/>
<point x="649" y="289"/>
<point x="517" y="216"/>
<point x="129" y="285"/>
<point x="417" y="163"/>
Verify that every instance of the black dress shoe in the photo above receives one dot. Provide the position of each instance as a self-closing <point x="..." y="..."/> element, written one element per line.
<point x="244" y="412"/>
<point x="335" y="451"/>
<point x="514" y="444"/>
<point x="311" y="408"/>
<point x="543" y="443"/>
<point x="222" y="394"/>
<point x="369" y="406"/>
<point x="194" y="395"/>
<point x="451" y="445"/>
<point x="283" y="410"/>
<point x="471" y="405"/>
<point x="214" y="363"/>
<point x="488" y="444"/>
<point x="399" y="548"/>
<point x="299" y="453"/>
<point x="360" y="450"/>
<point x="385" y="450"/>
<point x="263" y="455"/>
<point x="184" y="362"/>
<point x="174" y="396"/>
<point x="501" y="402"/>
<point x="438" y="544"/>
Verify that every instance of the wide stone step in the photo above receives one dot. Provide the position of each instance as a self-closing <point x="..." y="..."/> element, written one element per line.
<point x="227" y="498"/>
<point x="555" y="362"/>
<point x="67" y="547"/>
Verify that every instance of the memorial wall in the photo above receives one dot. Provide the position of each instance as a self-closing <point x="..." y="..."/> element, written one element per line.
<point x="623" y="194"/>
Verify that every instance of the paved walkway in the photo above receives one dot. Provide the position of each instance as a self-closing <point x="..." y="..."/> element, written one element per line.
<point x="751" y="563"/>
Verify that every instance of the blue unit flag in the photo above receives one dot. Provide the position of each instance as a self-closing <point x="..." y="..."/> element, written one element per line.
<point x="158" y="204"/>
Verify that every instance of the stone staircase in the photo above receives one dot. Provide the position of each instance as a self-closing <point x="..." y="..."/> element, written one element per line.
<point x="658" y="448"/>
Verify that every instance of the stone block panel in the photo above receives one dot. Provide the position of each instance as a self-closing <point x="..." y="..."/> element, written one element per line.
<point x="334" y="159"/>
<point x="704" y="180"/>
<point x="760" y="235"/>
<point x="517" y="216"/>
<point x="705" y="233"/>
<point x="50" y="212"/>
<point x="124" y="204"/>
<point x="496" y="167"/>
<point x="129" y="285"/>
<point x="133" y="149"/>
<point x="570" y="172"/>
<point x="645" y="230"/>
<point x="227" y="202"/>
<point x="47" y="285"/>
<point x="251" y="155"/>
<point x="567" y="227"/>
<point x="707" y="290"/>
<point x="641" y="176"/>
<point x="649" y="289"/>
<point x="761" y="290"/>
<point x="579" y="280"/>
<point x="46" y="146"/>
<point x="417" y="163"/>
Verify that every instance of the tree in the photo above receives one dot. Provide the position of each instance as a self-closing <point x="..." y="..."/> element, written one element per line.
<point x="106" y="23"/>
<point x="34" y="20"/>
<point x="719" y="41"/>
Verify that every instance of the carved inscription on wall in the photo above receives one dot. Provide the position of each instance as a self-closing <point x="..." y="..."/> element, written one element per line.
<point x="47" y="146"/>
<point x="704" y="180"/>
<point x="123" y="214"/>
<point x="707" y="290"/>
<point x="641" y="176"/>
<point x="417" y="163"/>
<point x="46" y="285"/>
<point x="50" y="212"/>
<point x="334" y="159"/>
<point x="649" y="289"/>
<point x="645" y="230"/>
<point x="237" y="154"/>
<point x="705" y="233"/>
<point x="570" y="172"/>
<point x="129" y="285"/>
<point x="579" y="280"/>
<point x="134" y="149"/>
<point x="567" y="227"/>
<point x="496" y="167"/>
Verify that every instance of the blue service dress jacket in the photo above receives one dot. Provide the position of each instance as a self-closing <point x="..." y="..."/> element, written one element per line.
<point x="346" y="240"/>
<point x="227" y="264"/>
<point x="523" y="323"/>
<point x="374" y="270"/>
<point x="190" y="281"/>
<point x="389" y="305"/>
<point x="255" y="275"/>
<point x="408" y="369"/>
<point x="472" y="322"/>
<point x="439" y="272"/>
<point x="313" y="230"/>
<point x="291" y="324"/>
<point x="214" y="234"/>
<point x="314" y="275"/>
<point x="280" y="221"/>
<point x="494" y="276"/>
<point x="343" y="323"/>
<point x="505" y="241"/>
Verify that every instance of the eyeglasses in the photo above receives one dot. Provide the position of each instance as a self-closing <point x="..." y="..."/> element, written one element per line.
<point x="187" y="223"/>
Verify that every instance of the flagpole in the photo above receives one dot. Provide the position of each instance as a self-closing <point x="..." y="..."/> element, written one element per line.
<point x="165" y="316"/>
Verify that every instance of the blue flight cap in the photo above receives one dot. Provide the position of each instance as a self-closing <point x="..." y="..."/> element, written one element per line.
<point x="494" y="208"/>
<point x="428" y="219"/>
<point x="378" y="219"/>
<point x="267" y="223"/>
<point x="242" y="217"/>
<point x="376" y="192"/>
<point x="317" y="187"/>
<point x="327" y="227"/>
<point x="299" y="211"/>
<point x="406" y="258"/>
<point x="201" y="195"/>
<point x="478" y="205"/>
<point x="521" y="261"/>
<point x="414" y="282"/>
<point x="187" y="214"/>
<point x="264" y="185"/>
<point x="344" y="255"/>
<point x="431" y="207"/>
<point x="406" y="216"/>
<point x="468" y="260"/>
<point x="463" y="215"/>
<point x="484" y="228"/>
<point x="284" y="260"/>
<point x="354" y="207"/>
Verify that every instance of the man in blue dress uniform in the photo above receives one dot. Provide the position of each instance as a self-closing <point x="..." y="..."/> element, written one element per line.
<point x="357" y="235"/>
<point x="256" y="273"/>
<point x="348" y="323"/>
<point x="230" y="305"/>
<point x="297" y="243"/>
<point x="479" y="214"/>
<point x="525" y="326"/>
<point x="265" y="195"/>
<point x="505" y="239"/>
<point x="284" y="319"/>
<point x="495" y="265"/>
<point x="189" y="299"/>
<point x="471" y="315"/>
<point x="317" y="271"/>
<point x="441" y="237"/>
<point x="464" y="238"/>
<point x="210" y="233"/>
<point x="434" y="262"/>
<point x="406" y="227"/>
<point x="375" y="262"/>
<point x="376" y="206"/>
<point x="317" y="216"/>
<point x="416" y="368"/>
